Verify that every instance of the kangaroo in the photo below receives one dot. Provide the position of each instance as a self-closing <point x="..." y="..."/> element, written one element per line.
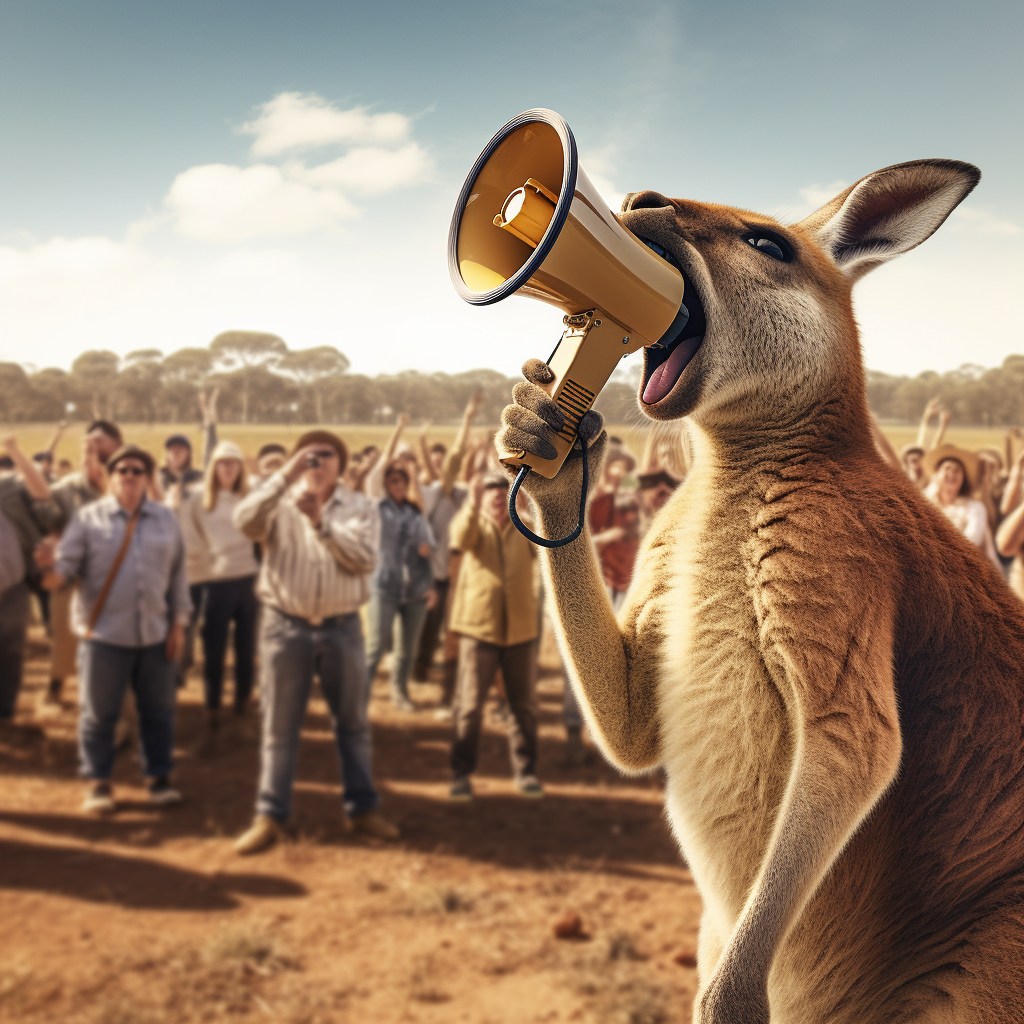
<point x="829" y="674"/>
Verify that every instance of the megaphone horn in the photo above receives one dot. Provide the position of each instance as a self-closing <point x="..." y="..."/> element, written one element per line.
<point x="530" y="222"/>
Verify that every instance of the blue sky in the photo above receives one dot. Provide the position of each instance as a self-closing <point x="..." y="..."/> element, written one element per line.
<point x="171" y="171"/>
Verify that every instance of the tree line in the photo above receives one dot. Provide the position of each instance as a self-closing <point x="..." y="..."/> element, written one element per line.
<point x="262" y="381"/>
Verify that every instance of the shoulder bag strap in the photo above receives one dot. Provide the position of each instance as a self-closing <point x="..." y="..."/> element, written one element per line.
<point x="108" y="583"/>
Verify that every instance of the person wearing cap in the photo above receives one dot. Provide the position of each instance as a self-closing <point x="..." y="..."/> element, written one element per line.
<point x="320" y="545"/>
<point x="954" y="475"/>
<point x="126" y="553"/>
<point x="495" y="611"/>
<point x="228" y="570"/>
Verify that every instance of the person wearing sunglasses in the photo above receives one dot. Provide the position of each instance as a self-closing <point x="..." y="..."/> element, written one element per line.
<point x="320" y="543"/>
<point x="130" y="611"/>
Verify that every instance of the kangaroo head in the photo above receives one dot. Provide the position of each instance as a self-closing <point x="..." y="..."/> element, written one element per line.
<point x="771" y="326"/>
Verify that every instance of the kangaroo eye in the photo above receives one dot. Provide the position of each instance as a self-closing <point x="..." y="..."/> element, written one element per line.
<point x="769" y="246"/>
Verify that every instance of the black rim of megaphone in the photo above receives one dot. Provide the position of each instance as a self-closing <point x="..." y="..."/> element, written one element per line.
<point x="526" y="271"/>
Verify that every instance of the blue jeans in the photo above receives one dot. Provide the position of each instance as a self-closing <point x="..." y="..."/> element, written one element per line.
<point x="292" y="651"/>
<point x="382" y="613"/>
<point x="105" y="671"/>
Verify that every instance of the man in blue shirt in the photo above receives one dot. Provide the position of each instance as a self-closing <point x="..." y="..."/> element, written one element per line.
<point x="131" y="618"/>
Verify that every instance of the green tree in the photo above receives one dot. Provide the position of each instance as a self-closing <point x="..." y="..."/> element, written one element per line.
<point x="139" y="384"/>
<point x="244" y="352"/>
<point x="314" y="369"/>
<point x="92" y="376"/>
<point x="51" y="390"/>
<point x="14" y="391"/>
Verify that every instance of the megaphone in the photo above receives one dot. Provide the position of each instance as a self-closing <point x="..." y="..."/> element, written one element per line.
<point x="530" y="222"/>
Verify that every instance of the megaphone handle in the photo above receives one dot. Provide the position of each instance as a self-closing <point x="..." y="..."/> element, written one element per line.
<point x="544" y="542"/>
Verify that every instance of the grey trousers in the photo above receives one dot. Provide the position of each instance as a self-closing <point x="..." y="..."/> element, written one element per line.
<point x="13" y="629"/>
<point x="478" y="663"/>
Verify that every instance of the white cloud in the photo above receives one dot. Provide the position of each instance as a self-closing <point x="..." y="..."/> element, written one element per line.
<point x="293" y="120"/>
<point x="369" y="171"/>
<point x="223" y="203"/>
<point x="983" y="221"/>
<point x="227" y="203"/>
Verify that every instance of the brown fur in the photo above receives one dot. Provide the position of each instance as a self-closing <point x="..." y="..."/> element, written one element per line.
<point x="828" y="672"/>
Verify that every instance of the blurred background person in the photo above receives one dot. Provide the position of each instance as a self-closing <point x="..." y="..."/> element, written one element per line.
<point x="229" y="574"/>
<point x="28" y="513"/>
<point x="442" y="496"/>
<point x="495" y="613"/>
<point x="402" y="588"/>
<point x="954" y="474"/>
<point x="269" y="459"/>
<point x="130" y="613"/>
<point x="320" y="543"/>
<point x="72" y="492"/>
<point x="912" y="461"/>
<point x="180" y="482"/>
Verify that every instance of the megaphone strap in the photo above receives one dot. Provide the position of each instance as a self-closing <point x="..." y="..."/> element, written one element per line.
<point x="544" y="542"/>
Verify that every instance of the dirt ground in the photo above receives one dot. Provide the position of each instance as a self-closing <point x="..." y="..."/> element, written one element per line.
<point x="149" y="917"/>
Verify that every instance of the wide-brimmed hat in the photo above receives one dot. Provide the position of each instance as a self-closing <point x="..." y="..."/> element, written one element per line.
<point x="132" y="451"/>
<point x="950" y="451"/>
<point x="227" y="450"/>
<point x="325" y="437"/>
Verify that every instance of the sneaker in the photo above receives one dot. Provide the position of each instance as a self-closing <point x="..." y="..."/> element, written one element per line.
<point x="260" y="836"/>
<point x="375" y="825"/>
<point x="529" y="785"/>
<point x="402" y="703"/>
<point x="99" y="799"/>
<point x="162" y="793"/>
<point x="461" y="790"/>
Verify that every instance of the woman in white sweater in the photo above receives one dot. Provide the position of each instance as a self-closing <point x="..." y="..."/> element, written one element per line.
<point x="230" y="573"/>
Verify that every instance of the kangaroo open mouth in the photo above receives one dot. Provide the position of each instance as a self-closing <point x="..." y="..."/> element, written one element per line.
<point x="664" y="364"/>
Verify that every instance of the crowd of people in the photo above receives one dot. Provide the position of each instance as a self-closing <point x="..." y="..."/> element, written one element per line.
<point x="321" y="561"/>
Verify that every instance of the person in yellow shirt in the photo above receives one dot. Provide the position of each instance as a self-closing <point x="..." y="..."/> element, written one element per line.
<point x="495" y="613"/>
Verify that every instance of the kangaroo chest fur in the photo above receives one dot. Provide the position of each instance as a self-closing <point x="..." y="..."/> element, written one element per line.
<point x="726" y="740"/>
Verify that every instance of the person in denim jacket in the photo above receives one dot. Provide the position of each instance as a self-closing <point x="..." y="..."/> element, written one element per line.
<point x="402" y="585"/>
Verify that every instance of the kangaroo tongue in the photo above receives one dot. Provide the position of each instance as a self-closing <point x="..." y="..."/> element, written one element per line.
<point x="665" y="376"/>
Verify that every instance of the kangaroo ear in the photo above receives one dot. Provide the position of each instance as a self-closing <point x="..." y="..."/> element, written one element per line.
<point x="889" y="212"/>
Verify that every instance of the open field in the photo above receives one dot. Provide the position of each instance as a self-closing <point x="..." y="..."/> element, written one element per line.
<point x="149" y="918"/>
<point x="33" y="436"/>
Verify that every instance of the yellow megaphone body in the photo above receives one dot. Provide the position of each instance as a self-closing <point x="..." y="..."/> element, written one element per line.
<point x="530" y="222"/>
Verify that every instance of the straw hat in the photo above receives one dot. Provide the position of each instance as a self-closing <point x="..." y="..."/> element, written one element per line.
<point x="227" y="450"/>
<point x="950" y="451"/>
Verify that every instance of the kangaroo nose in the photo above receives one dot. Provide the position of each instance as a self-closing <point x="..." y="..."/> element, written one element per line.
<point x="645" y="201"/>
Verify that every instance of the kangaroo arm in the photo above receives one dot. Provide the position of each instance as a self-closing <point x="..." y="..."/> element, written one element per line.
<point x="842" y="704"/>
<point x="612" y="666"/>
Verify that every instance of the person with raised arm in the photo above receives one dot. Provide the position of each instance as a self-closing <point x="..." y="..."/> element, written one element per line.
<point x="28" y="513"/>
<point x="178" y="487"/>
<point x="402" y="584"/>
<point x="130" y="612"/>
<point x="320" y="544"/>
<point x="74" y="491"/>
<point x="495" y="611"/>
<point x="442" y="498"/>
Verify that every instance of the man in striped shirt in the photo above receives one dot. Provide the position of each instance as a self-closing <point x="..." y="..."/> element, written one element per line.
<point x="320" y="544"/>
